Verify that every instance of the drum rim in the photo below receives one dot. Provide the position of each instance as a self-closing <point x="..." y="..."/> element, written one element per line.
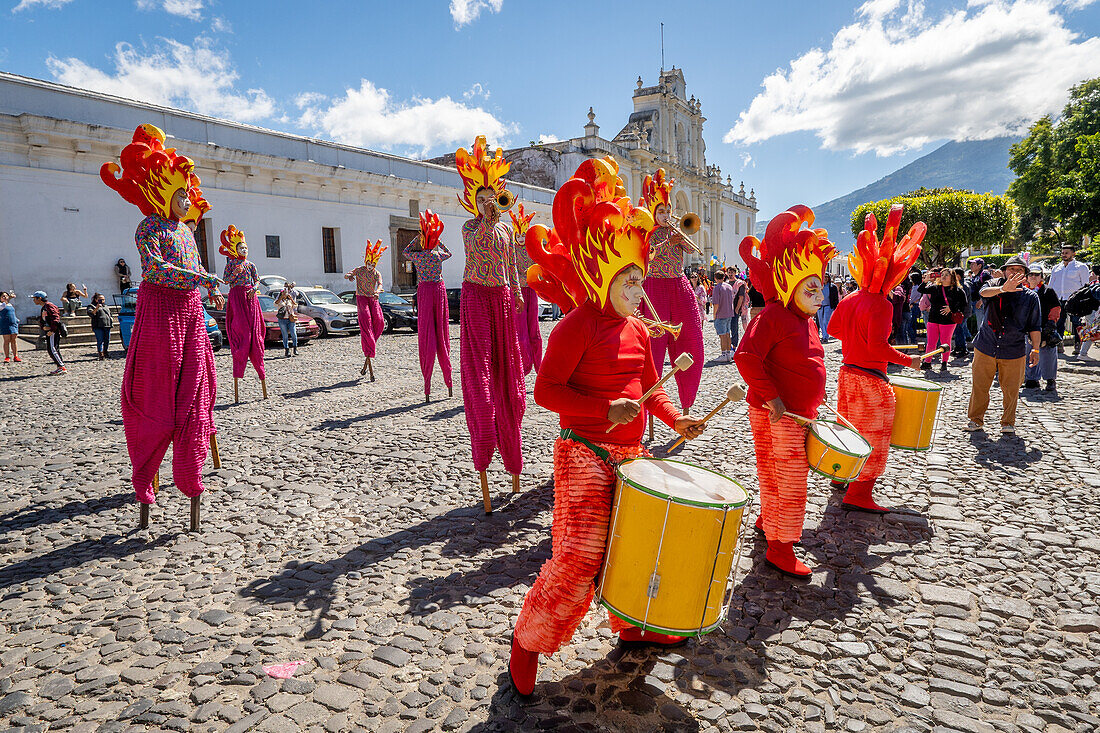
<point x="696" y="631"/>
<point x="919" y="387"/>
<point x="841" y="450"/>
<point x="677" y="499"/>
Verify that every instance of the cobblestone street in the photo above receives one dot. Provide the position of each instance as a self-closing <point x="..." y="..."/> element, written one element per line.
<point x="345" y="530"/>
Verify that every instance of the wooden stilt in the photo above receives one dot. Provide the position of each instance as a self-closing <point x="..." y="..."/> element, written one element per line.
<point x="263" y="386"/>
<point x="450" y="392"/>
<point x="485" y="492"/>
<point x="195" y="513"/>
<point x="651" y="428"/>
<point x="156" y="483"/>
<point x="371" y="368"/>
<point x="236" y="392"/>
<point x="515" y="483"/>
<point x="214" y="451"/>
<point x="143" y="519"/>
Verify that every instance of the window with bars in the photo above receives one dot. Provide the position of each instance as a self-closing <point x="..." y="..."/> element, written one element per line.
<point x="271" y="246"/>
<point x="200" y="244"/>
<point x="328" y="249"/>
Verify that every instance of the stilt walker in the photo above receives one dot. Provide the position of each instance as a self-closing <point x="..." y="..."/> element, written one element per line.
<point x="783" y="363"/>
<point x="169" y="384"/>
<point x="669" y="290"/>
<point x="368" y="284"/>
<point x="433" y="330"/>
<point x="598" y="367"/>
<point x="527" y="319"/>
<point x="493" y="387"/>
<point x="244" y="321"/>
<point x="862" y="322"/>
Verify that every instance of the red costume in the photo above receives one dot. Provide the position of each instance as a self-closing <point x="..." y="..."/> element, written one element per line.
<point x="862" y="322"/>
<point x="781" y="357"/>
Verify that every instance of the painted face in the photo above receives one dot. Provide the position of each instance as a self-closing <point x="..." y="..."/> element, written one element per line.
<point x="626" y="291"/>
<point x="809" y="296"/>
<point x="661" y="215"/>
<point x="242" y="250"/>
<point x="180" y="203"/>
<point x="486" y="201"/>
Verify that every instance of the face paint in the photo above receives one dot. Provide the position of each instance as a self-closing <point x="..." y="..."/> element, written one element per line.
<point x="626" y="291"/>
<point x="809" y="297"/>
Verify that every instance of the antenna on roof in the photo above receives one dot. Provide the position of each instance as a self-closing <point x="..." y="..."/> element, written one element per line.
<point x="662" y="48"/>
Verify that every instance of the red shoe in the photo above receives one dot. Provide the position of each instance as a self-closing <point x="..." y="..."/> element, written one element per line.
<point x="523" y="667"/>
<point x="759" y="526"/>
<point x="859" y="498"/>
<point x="17" y="359"/>
<point x="780" y="556"/>
<point x="7" y="359"/>
<point x="634" y="635"/>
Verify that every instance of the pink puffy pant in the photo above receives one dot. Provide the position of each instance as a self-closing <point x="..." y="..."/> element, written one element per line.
<point x="433" y="331"/>
<point x="371" y="323"/>
<point x="493" y="388"/>
<point x="939" y="334"/>
<point x="168" y="389"/>
<point x="527" y="328"/>
<point x="244" y="325"/>
<point x="676" y="304"/>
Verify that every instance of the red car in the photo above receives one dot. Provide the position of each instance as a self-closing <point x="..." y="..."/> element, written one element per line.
<point x="306" y="327"/>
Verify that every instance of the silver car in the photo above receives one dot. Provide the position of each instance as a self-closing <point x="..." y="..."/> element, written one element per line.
<point x="332" y="314"/>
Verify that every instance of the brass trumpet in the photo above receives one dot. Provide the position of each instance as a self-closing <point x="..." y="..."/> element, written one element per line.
<point x="689" y="224"/>
<point x="505" y="200"/>
<point x="657" y="327"/>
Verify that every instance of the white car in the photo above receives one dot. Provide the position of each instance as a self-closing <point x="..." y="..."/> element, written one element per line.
<point x="332" y="314"/>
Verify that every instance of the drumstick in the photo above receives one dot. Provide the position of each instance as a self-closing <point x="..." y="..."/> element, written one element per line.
<point x="735" y="393"/>
<point x="798" y="418"/>
<point x="937" y="352"/>
<point x="683" y="362"/>
<point x="842" y="418"/>
<point x="904" y="347"/>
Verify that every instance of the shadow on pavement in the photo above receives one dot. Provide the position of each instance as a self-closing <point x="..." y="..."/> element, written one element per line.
<point x="33" y="516"/>
<point x="109" y="546"/>
<point x="349" y="421"/>
<point x="314" y="390"/>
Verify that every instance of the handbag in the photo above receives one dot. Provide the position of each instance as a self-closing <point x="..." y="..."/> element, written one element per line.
<point x="63" y="330"/>
<point x="956" y="318"/>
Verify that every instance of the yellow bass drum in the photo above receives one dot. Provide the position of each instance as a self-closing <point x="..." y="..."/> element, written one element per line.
<point x="917" y="401"/>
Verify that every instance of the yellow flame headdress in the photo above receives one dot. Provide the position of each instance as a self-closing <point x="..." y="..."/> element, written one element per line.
<point x="151" y="174"/>
<point x="656" y="190"/>
<point x="880" y="268"/>
<point x="479" y="171"/>
<point x="788" y="255"/>
<point x="521" y="222"/>
<point x="373" y="253"/>
<point x="232" y="238"/>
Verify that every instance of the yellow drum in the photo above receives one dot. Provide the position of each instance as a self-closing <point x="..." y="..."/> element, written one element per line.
<point x="673" y="539"/>
<point x="836" y="451"/>
<point x="917" y="402"/>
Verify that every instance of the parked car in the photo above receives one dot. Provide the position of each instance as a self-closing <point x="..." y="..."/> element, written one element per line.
<point x="333" y="315"/>
<point x="397" y="311"/>
<point x="267" y="283"/>
<point x="127" y="306"/>
<point x="546" y="310"/>
<point x="306" y="327"/>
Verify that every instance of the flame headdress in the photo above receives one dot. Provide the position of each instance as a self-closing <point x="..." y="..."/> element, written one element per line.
<point x="151" y="174"/>
<point x="788" y="255"/>
<point x="232" y="238"/>
<point x="597" y="233"/>
<point x="521" y="222"/>
<point x="373" y="253"/>
<point x="656" y="190"/>
<point x="479" y="171"/>
<point x="879" y="268"/>
<point x="431" y="228"/>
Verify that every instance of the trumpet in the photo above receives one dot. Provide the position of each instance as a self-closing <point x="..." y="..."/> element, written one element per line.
<point x="657" y="327"/>
<point x="688" y="224"/>
<point x="505" y="200"/>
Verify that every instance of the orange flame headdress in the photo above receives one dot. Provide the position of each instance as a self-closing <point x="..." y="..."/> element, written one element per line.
<point x="373" y="253"/>
<point x="151" y="174"/>
<point x="656" y="191"/>
<point x="479" y="171"/>
<point x="232" y="238"/>
<point x="597" y="233"/>
<point x="788" y="255"/>
<point x="430" y="229"/>
<point x="521" y="222"/>
<point x="879" y="268"/>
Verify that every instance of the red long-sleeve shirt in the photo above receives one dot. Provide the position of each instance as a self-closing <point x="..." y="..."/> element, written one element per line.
<point x="781" y="355"/>
<point x="592" y="359"/>
<point x="862" y="322"/>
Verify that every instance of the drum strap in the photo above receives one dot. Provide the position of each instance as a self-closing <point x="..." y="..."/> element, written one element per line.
<point x="865" y="370"/>
<point x="602" y="454"/>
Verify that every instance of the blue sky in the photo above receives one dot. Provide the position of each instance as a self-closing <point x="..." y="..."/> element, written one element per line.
<point x="804" y="101"/>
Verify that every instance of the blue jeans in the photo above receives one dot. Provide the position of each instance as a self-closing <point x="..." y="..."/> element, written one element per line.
<point x="1075" y="323"/>
<point x="289" y="329"/>
<point x="1047" y="368"/>
<point x="824" y="313"/>
<point x="962" y="335"/>
<point x="102" y="338"/>
<point x="911" y="324"/>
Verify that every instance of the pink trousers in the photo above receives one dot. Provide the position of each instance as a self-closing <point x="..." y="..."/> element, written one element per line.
<point x="868" y="403"/>
<point x="939" y="334"/>
<point x="433" y="331"/>
<point x="168" y="389"/>
<point x="676" y="304"/>
<point x="371" y="323"/>
<point x="527" y="327"/>
<point x="244" y="325"/>
<point x="493" y="388"/>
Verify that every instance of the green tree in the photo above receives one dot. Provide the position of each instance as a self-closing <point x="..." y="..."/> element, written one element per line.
<point x="956" y="220"/>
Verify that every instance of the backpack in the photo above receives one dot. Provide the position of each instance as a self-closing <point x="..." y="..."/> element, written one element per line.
<point x="1084" y="301"/>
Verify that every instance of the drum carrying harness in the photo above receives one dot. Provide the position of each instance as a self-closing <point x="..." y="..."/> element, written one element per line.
<point x="602" y="454"/>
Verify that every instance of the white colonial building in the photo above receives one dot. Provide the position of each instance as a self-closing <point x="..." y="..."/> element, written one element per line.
<point x="306" y="206"/>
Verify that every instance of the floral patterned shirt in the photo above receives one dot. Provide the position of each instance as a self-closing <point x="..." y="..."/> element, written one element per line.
<point x="367" y="283"/>
<point x="667" y="248"/>
<point x="490" y="254"/>
<point x="169" y="257"/>
<point x="428" y="262"/>
<point x="242" y="273"/>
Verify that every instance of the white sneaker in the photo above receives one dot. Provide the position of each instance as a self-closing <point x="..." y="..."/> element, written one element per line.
<point x="972" y="427"/>
<point x="1008" y="430"/>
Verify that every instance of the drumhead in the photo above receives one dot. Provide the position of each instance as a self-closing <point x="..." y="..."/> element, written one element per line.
<point x="915" y="383"/>
<point x="842" y="438"/>
<point x="682" y="482"/>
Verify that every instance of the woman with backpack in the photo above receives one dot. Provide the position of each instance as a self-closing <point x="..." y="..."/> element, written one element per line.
<point x="102" y="323"/>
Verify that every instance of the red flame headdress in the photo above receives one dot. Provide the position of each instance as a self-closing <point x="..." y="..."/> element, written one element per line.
<point x="788" y="255"/>
<point x="431" y="228"/>
<point x="879" y="268"/>
<point x="597" y="234"/>
<point x="373" y="253"/>
<point x="479" y="171"/>
<point x="232" y="238"/>
<point x="151" y="174"/>
<point x="656" y="190"/>
<point x="521" y="222"/>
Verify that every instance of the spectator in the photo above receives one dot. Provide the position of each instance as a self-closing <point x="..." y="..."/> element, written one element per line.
<point x="831" y="297"/>
<point x="914" y="304"/>
<point x="1091" y="318"/>
<point x="962" y="331"/>
<point x="1000" y="348"/>
<point x="1067" y="277"/>
<point x="102" y="323"/>
<point x="723" y="297"/>
<point x="9" y="327"/>
<point x="740" y="306"/>
<point x="700" y="296"/>
<point x="975" y="281"/>
<point x="287" y="313"/>
<point x="898" y="303"/>
<point x="1049" y="310"/>
<point x="928" y="277"/>
<point x="123" y="272"/>
<point x="70" y="299"/>
<point x="946" y="309"/>
<point x="756" y="301"/>
<point x="50" y="322"/>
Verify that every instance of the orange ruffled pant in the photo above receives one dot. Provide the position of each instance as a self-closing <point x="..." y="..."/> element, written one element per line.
<point x="868" y="403"/>
<point x="584" y="488"/>
<point x="781" y="469"/>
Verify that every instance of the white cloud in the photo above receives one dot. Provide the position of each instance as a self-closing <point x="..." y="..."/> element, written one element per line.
<point x="199" y="78"/>
<point x="747" y="161"/>
<point x="543" y="139"/>
<point x="466" y="11"/>
<point x="476" y="91"/>
<point x="28" y="4"/>
<point x="190" y="9"/>
<point x="218" y="24"/>
<point x="897" y="79"/>
<point x="369" y="117"/>
<point x="1078" y="4"/>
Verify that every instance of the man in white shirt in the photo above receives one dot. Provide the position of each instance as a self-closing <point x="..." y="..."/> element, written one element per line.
<point x="1067" y="277"/>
